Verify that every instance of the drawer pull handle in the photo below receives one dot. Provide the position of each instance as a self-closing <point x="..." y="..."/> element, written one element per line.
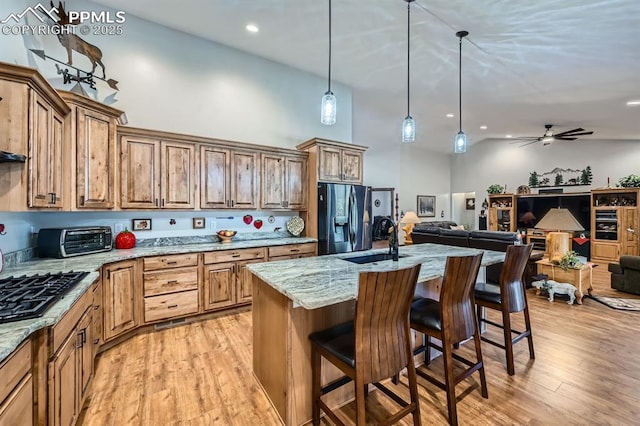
<point x="172" y="263"/>
<point x="235" y="255"/>
<point x="295" y="250"/>
<point x="172" y="282"/>
<point x="96" y="341"/>
<point x="172" y="306"/>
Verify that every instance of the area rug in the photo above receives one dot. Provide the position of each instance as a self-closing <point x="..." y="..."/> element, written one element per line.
<point x="619" y="303"/>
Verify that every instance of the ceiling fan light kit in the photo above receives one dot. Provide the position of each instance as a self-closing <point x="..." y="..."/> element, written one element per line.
<point x="328" y="105"/>
<point x="460" y="141"/>
<point x="409" y="124"/>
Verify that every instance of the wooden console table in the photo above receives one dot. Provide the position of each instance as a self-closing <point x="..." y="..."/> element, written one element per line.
<point x="579" y="277"/>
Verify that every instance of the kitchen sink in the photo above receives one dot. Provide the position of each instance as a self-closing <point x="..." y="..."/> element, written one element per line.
<point x="370" y="258"/>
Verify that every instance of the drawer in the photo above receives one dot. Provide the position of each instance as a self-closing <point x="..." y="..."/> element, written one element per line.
<point x="171" y="281"/>
<point x="18" y="408"/>
<point x="170" y="305"/>
<point x="14" y="369"/>
<point x="292" y="249"/>
<point x="233" y="255"/>
<point x="60" y="331"/>
<point x="171" y="261"/>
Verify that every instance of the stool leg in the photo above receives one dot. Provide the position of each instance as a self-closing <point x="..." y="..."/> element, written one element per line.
<point x="508" y="342"/>
<point x="483" y="379"/>
<point x="315" y="385"/>
<point x="360" y="406"/>
<point x="527" y="323"/>
<point x="450" y="382"/>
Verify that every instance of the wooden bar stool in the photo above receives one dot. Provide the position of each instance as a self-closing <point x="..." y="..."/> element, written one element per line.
<point x="451" y="320"/>
<point x="508" y="297"/>
<point x="374" y="346"/>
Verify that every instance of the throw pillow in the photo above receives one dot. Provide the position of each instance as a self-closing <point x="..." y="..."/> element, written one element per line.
<point x="457" y="227"/>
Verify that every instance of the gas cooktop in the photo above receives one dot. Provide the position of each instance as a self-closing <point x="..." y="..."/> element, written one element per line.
<point x="29" y="296"/>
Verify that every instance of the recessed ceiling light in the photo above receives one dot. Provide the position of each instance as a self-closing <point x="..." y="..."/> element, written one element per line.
<point x="483" y="127"/>
<point x="508" y="136"/>
<point x="449" y="115"/>
<point x="252" y="28"/>
<point x="635" y="102"/>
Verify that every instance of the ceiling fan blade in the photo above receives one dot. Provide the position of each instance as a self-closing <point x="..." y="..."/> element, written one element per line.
<point x="579" y="129"/>
<point x="529" y="143"/>
<point x="564" y="139"/>
<point x="577" y="134"/>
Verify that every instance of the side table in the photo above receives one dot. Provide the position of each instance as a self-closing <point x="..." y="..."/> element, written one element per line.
<point x="579" y="277"/>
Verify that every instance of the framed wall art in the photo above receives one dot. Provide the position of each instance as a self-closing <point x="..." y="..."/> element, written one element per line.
<point x="141" y="224"/>
<point x="198" y="222"/>
<point x="426" y="206"/>
<point x="470" y="203"/>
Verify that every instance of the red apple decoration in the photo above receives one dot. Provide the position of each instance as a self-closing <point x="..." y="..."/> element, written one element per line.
<point x="125" y="240"/>
<point x="247" y="218"/>
<point x="257" y="223"/>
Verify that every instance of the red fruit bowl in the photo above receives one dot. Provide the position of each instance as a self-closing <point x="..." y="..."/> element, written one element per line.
<point x="226" y="235"/>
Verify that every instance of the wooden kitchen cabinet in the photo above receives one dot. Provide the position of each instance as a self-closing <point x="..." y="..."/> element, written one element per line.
<point x="502" y="212"/>
<point x="31" y="124"/>
<point x="229" y="178"/>
<point x="284" y="181"/>
<point x="292" y="251"/>
<point x="118" y="296"/>
<point x="226" y="281"/>
<point x="16" y="388"/>
<point x="614" y="223"/>
<point x="335" y="161"/>
<point x="156" y="174"/>
<point x="170" y="287"/>
<point x="90" y="129"/>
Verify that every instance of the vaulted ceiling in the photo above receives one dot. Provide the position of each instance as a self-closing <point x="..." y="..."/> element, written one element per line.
<point x="571" y="63"/>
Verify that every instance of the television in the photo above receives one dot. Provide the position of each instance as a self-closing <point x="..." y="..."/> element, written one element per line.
<point x="531" y="208"/>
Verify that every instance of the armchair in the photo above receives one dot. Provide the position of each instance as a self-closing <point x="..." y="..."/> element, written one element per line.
<point x="625" y="276"/>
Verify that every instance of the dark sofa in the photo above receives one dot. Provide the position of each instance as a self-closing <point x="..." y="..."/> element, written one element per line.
<point x="625" y="276"/>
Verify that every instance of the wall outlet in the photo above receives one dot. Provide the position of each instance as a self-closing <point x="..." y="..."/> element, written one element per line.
<point x="213" y="224"/>
<point x="117" y="228"/>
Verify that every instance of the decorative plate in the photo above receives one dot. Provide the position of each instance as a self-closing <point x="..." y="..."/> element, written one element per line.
<point x="523" y="189"/>
<point x="295" y="225"/>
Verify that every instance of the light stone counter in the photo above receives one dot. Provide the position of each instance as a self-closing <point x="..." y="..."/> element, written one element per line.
<point x="13" y="333"/>
<point x="317" y="282"/>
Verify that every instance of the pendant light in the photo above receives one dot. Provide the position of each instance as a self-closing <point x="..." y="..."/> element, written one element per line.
<point x="460" y="141"/>
<point x="328" y="107"/>
<point x="409" y="124"/>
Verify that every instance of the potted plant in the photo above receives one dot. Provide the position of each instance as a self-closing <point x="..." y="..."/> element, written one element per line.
<point x="495" y="189"/>
<point x="631" y="181"/>
<point x="569" y="260"/>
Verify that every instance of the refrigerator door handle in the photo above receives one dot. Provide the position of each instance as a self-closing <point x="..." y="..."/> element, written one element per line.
<point x="351" y="223"/>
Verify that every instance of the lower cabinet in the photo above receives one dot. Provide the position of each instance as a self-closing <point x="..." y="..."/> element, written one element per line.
<point x="16" y="388"/>
<point x="226" y="281"/>
<point x="118" y="295"/>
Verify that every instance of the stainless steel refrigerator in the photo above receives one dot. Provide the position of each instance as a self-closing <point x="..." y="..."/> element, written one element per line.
<point x="344" y="218"/>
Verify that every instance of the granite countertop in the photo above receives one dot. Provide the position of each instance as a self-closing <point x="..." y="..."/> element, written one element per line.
<point x="13" y="333"/>
<point x="316" y="282"/>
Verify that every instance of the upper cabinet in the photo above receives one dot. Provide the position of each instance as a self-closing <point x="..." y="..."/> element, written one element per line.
<point x="32" y="124"/>
<point x="333" y="161"/>
<point x="284" y="180"/>
<point x="229" y="178"/>
<point x="91" y="131"/>
<point x="156" y="173"/>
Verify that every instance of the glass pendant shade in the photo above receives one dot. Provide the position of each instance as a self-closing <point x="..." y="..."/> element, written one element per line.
<point x="328" y="109"/>
<point x="460" y="143"/>
<point x="408" y="130"/>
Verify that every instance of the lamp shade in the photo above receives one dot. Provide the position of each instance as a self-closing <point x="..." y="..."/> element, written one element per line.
<point x="410" y="217"/>
<point x="559" y="220"/>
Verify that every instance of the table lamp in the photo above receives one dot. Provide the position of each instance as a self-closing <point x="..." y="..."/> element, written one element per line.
<point x="410" y="219"/>
<point x="558" y="220"/>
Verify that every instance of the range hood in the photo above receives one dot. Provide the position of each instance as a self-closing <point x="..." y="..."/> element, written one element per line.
<point x="9" y="157"/>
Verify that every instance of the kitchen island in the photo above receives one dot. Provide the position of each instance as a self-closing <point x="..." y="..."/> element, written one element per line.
<point x="292" y="299"/>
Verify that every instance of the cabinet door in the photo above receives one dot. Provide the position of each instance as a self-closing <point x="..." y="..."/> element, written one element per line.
<point x="17" y="409"/>
<point x="329" y="164"/>
<point x="630" y="231"/>
<point x="351" y="166"/>
<point x="215" y="187"/>
<point x="118" y="290"/>
<point x="493" y="219"/>
<point x="605" y="251"/>
<point x="41" y="152"/>
<point x="63" y="389"/>
<point x="140" y="173"/>
<point x="296" y="183"/>
<point x="95" y="160"/>
<point x="244" y="180"/>
<point x="55" y="161"/>
<point x="85" y="352"/>
<point x="273" y="181"/>
<point x="177" y="162"/>
<point x="219" y="285"/>
<point x="244" y="283"/>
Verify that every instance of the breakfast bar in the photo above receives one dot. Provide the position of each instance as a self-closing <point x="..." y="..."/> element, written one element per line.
<point x="292" y="299"/>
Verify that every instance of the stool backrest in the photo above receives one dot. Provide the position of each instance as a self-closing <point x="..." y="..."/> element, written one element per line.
<point x="456" y="296"/>
<point x="381" y="323"/>
<point x="512" y="286"/>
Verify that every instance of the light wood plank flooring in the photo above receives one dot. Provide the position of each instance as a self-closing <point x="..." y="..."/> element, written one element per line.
<point x="586" y="372"/>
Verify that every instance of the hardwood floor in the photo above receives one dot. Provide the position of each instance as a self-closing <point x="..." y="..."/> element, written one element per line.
<point x="585" y="372"/>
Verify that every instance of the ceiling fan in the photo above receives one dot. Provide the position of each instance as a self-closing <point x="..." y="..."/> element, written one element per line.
<point x="549" y="136"/>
